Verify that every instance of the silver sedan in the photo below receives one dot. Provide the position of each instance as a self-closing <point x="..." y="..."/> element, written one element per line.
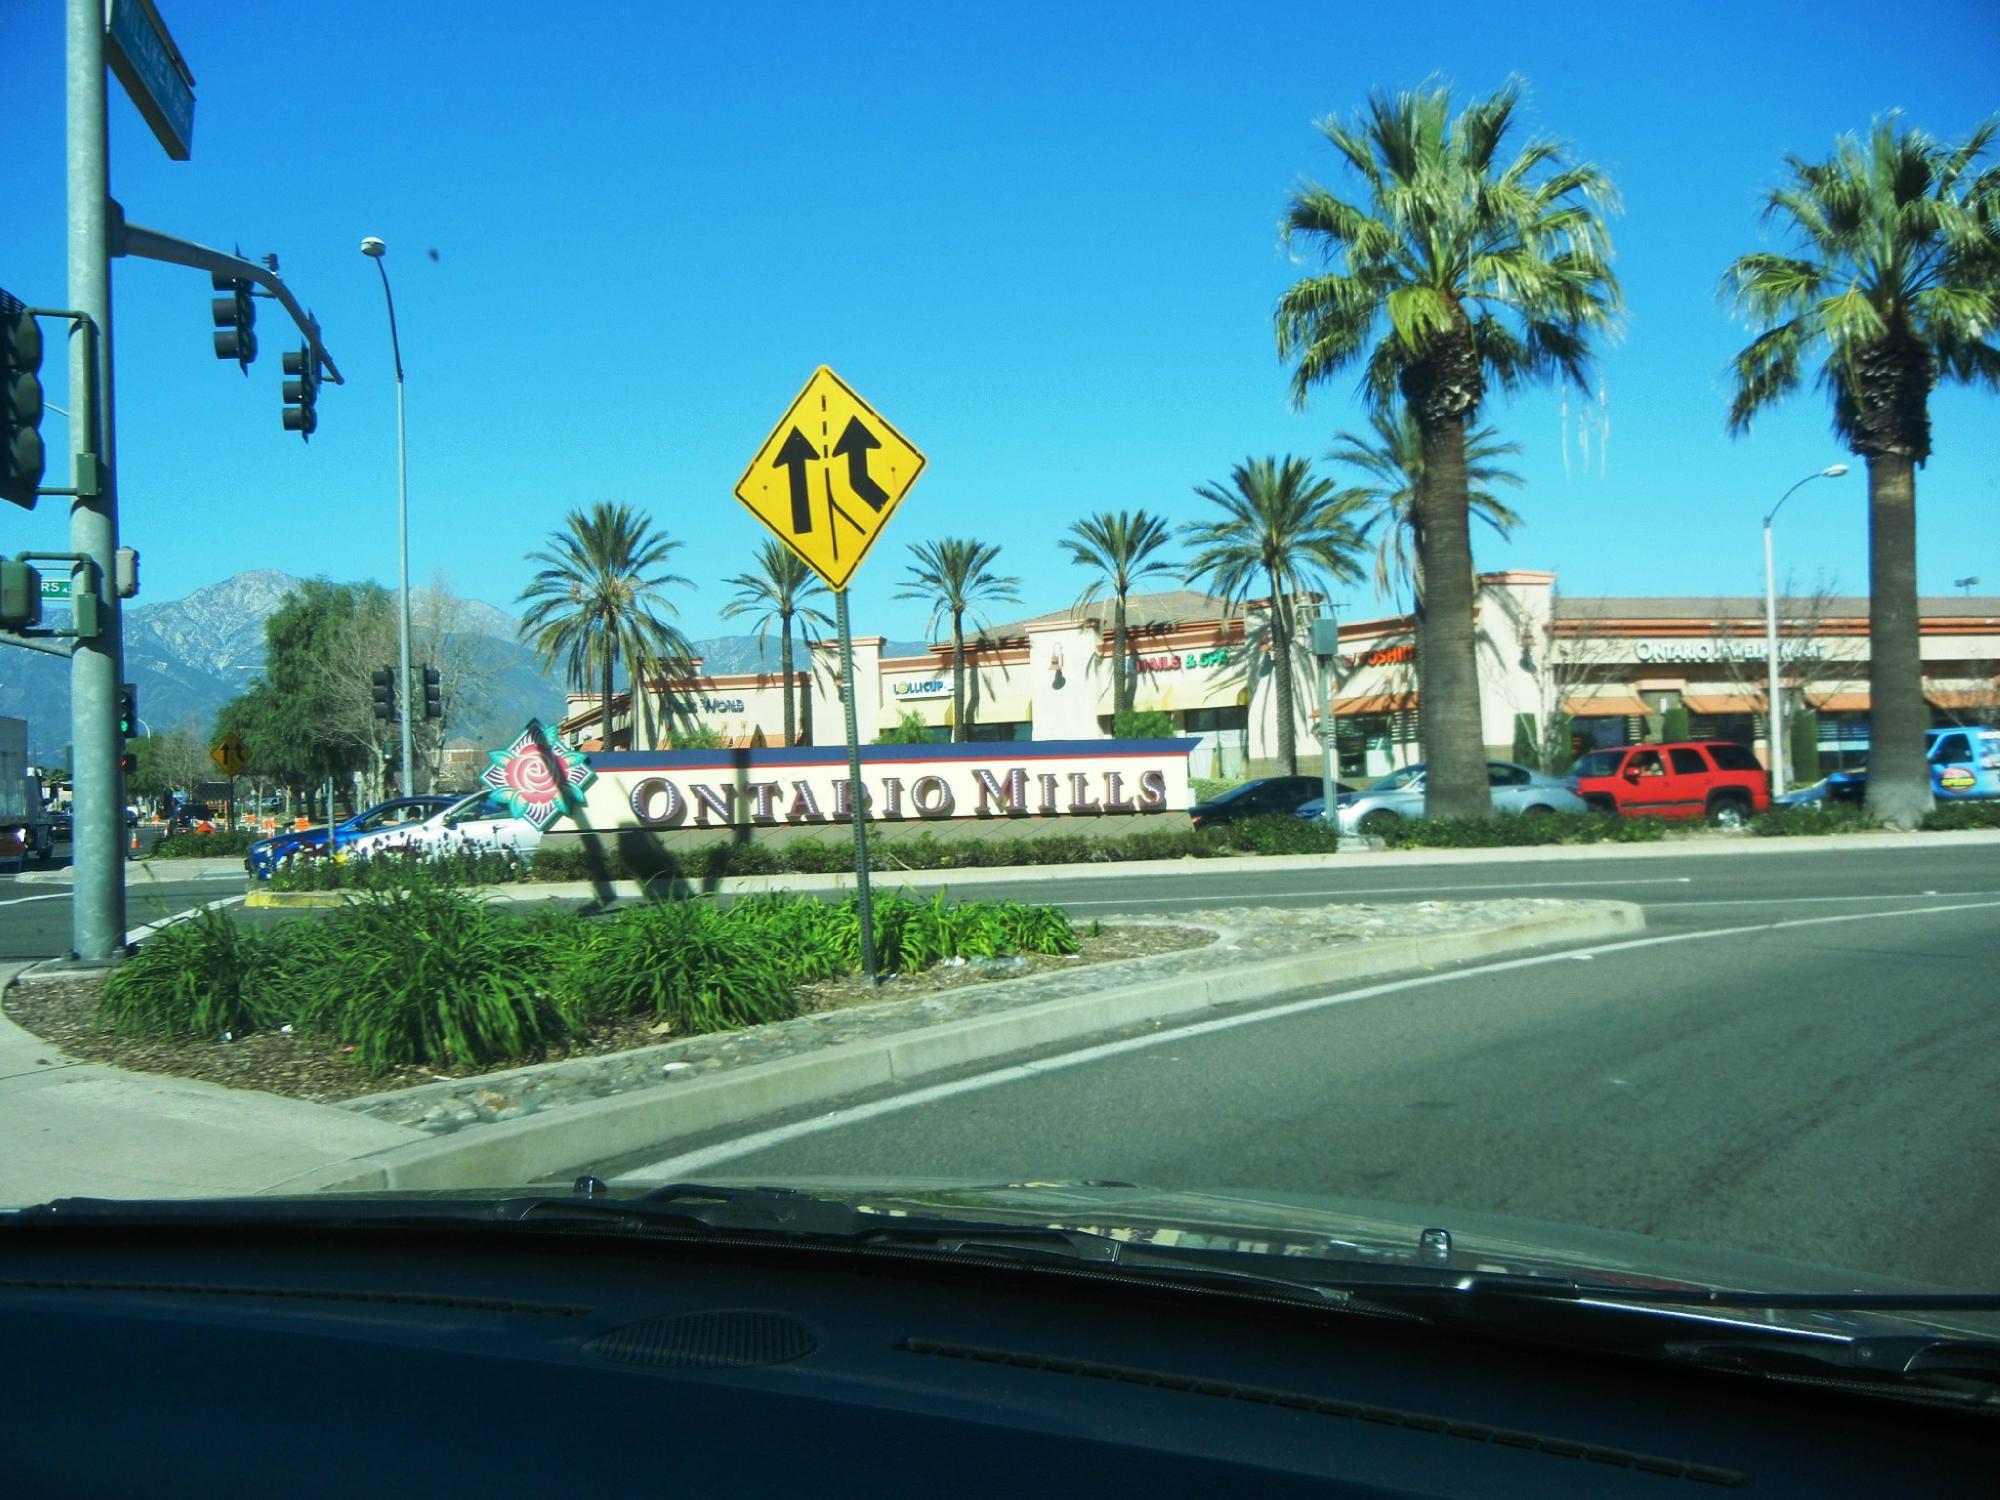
<point x="1400" y="795"/>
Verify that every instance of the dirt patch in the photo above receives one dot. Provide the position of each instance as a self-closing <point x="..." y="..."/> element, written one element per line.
<point x="64" y="1013"/>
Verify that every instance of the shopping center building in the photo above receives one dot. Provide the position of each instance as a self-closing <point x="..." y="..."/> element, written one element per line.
<point x="1568" y="672"/>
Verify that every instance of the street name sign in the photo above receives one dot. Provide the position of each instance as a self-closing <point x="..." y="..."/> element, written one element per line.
<point x="150" y="66"/>
<point x="829" y="476"/>
<point x="232" y="755"/>
<point x="55" y="588"/>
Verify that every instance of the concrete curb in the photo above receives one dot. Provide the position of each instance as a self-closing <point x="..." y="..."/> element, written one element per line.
<point x="522" y="1150"/>
<point x="1720" y="846"/>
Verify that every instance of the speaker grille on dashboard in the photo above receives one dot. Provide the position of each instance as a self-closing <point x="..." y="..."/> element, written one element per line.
<point x="725" y="1339"/>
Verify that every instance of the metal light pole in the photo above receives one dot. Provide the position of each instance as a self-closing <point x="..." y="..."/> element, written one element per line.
<point x="374" y="249"/>
<point x="1774" y="719"/>
<point x="97" y="905"/>
<point x="1326" y="646"/>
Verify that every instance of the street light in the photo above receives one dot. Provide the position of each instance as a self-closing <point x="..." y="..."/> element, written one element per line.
<point x="1964" y="585"/>
<point x="1774" y="719"/>
<point x="374" y="249"/>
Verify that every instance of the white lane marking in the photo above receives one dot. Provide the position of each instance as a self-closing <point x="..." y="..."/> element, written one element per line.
<point x="1400" y="890"/>
<point x="20" y="900"/>
<point x="1815" y="900"/>
<point x="180" y="916"/>
<point x="672" y="1168"/>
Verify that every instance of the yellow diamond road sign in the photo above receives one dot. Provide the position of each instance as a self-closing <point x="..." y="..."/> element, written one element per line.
<point x="829" y="476"/>
<point x="232" y="755"/>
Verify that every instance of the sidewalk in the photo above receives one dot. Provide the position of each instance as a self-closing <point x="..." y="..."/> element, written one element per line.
<point x="76" y="1129"/>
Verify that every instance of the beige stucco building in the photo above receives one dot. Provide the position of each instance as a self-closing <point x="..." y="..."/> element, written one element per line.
<point x="1580" y="671"/>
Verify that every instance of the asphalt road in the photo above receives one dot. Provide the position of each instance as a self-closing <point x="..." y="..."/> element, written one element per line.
<point x="1802" y="1058"/>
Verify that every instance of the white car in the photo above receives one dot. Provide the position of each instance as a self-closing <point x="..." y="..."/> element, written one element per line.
<point x="477" y="824"/>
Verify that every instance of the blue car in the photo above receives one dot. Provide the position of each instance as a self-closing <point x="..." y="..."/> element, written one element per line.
<point x="1964" y="761"/>
<point x="266" y="854"/>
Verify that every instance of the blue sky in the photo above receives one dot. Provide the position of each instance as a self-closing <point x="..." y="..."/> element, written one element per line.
<point x="1042" y="240"/>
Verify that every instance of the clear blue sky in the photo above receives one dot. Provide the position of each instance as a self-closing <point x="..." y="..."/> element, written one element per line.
<point x="1042" y="239"/>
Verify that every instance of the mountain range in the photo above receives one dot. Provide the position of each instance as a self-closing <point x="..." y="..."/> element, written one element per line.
<point x="187" y="657"/>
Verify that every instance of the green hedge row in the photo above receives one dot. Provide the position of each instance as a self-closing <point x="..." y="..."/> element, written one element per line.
<point x="414" y="969"/>
<point x="235" y="841"/>
<point x="1503" y="831"/>
<point x="1271" y="834"/>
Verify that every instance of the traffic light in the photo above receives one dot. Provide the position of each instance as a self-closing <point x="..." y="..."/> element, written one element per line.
<point x="385" y="694"/>
<point x="433" y="694"/>
<point x="235" y="317"/>
<point x="21" y="456"/>
<point x="128" y="709"/>
<point x="20" y="596"/>
<point x="301" y="392"/>
<point x="128" y="763"/>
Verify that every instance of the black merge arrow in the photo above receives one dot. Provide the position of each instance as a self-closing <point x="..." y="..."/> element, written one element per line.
<point x="795" y="455"/>
<point x="855" y="443"/>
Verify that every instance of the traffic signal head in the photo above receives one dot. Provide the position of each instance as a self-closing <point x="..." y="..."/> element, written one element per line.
<point x="20" y="596"/>
<point x="128" y="709"/>
<point x="384" y="681"/>
<point x="433" y="693"/>
<point x="21" y="455"/>
<point x="235" y="316"/>
<point x="301" y="392"/>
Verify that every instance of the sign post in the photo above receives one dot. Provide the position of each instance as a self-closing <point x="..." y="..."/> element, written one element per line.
<point x="825" y="483"/>
<point x="1326" y="646"/>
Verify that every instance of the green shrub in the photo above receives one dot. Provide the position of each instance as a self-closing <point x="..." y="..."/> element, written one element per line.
<point x="1947" y="816"/>
<point x="204" y="845"/>
<point x="694" y="736"/>
<point x="197" y="978"/>
<point x="1517" y="830"/>
<point x="1142" y="724"/>
<point x="908" y="730"/>
<point x="1527" y="742"/>
<point x="1792" y="822"/>
<point x="819" y="856"/>
<point x="1208" y="788"/>
<point x="1675" y="725"/>
<point x="689" y="962"/>
<point x="1281" y="833"/>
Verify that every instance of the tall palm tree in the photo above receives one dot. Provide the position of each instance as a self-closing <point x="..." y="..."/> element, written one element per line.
<point x="1121" y="547"/>
<point x="1458" y="268"/>
<point x="1896" y="286"/>
<point x="599" y="599"/>
<point x="1393" y="465"/>
<point x="1282" y="529"/>
<point x="953" y="575"/>
<point x="779" y="592"/>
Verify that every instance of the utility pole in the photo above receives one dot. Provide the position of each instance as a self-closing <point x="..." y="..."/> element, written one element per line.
<point x="97" y="665"/>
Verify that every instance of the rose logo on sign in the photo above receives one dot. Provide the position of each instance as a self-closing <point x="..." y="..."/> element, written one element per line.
<point x="538" y="776"/>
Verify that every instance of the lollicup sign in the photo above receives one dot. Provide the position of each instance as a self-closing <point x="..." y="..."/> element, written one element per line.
<point x="808" y="786"/>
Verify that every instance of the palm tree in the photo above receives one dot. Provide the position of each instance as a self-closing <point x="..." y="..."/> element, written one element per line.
<point x="779" y="592"/>
<point x="1461" y="268"/>
<point x="598" y="600"/>
<point x="1121" y="548"/>
<point x="1393" y="463"/>
<point x="1896" y="286"/>
<point x="1284" y="530"/>
<point x="952" y="575"/>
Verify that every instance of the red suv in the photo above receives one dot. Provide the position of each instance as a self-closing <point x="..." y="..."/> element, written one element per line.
<point x="1707" y="779"/>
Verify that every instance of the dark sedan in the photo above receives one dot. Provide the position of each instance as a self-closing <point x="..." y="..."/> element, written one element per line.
<point x="1267" y="794"/>
<point x="266" y="854"/>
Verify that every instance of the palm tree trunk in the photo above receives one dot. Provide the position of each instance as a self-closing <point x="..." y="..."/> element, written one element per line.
<point x="605" y="722"/>
<point x="1281" y="667"/>
<point x="785" y="670"/>
<point x="958" y="677"/>
<point x="1447" y="656"/>
<point x="1899" y="785"/>
<point x="1122" y="685"/>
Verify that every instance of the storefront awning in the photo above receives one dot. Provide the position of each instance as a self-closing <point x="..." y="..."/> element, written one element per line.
<point x="1722" y="703"/>
<point x="1375" y="703"/>
<point x="1962" y="697"/>
<point x="1617" y="705"/>
<point x="1840" y="703"/>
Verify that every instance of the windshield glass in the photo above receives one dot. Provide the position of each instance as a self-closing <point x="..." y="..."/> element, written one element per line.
<point x="820" y="499"/>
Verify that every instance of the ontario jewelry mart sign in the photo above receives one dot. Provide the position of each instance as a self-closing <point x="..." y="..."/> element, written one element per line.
<point x="916" y="784"/>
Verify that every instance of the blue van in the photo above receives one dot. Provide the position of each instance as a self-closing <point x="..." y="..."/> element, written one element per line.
<point x="1964" y="761"/>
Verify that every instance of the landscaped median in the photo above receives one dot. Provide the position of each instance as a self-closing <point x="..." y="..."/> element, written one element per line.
<point x="526" y="1123"/>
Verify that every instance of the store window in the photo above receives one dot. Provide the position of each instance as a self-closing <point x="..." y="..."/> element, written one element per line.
<point x="984" y="733"/>
<point x="1737" y="729"/>
<point x="1215" y="720"/>
<point x="1843" y="741"/>
<point x="1603" y="731"/>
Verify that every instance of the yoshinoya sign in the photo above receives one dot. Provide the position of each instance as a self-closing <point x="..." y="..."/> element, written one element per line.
<point x="1724" y="650"/>
<point x="808" y="787"/>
